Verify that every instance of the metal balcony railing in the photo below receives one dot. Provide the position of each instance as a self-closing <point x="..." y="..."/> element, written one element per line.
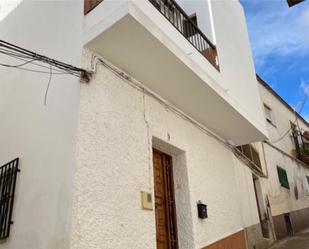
<point x="183" y="23"/>
<point x="301" y="143"/>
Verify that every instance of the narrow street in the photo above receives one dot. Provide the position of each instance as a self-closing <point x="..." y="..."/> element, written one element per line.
<point x="300" y="241"/>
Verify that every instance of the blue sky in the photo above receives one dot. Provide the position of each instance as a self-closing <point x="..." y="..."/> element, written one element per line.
<point x="279" y="38"/>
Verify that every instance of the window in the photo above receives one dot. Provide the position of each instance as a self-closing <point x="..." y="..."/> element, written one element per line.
<point x="8" y="174"/>
<point x="189" y="28"/>
<point x="308" y="180"/>
<point x="283" y="178"/>
<point x="269" y="114"/>
<point x="251" y="153"/>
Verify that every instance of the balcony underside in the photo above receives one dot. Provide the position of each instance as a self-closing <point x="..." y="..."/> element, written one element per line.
<point x="174" y="75"/>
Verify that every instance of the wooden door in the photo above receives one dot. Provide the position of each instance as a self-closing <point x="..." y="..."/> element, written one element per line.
<point x="165" y="210"/>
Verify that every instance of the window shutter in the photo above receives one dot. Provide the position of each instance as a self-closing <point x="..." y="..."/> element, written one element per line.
<point x="283" y="178"/>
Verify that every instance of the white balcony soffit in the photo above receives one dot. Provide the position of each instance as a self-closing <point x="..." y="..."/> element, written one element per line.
<point x="138" y="39"/>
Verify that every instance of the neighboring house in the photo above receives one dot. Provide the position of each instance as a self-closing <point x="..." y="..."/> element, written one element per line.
<point x="284" y="157"/>
<point x="282" y="191"/>
<point x="144" y="156"/>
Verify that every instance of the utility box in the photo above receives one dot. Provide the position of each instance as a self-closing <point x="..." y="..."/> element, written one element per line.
<point x="146" y="199"/>
<point x="202" y="210"/>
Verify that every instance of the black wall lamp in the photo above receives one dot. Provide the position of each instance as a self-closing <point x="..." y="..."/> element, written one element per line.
<point x="202" y="210"/>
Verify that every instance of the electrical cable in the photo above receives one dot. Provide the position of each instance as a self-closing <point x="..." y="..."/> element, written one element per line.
<point x="33" y="63"/>
<point x="33" y="70"/>
<point x="299" y="112"/>
<point x="20" y="65"/>
<point x="39" y="65"/>
<point x="29" y="57"/>
<point x="48" y="84"/>
<point x="96" y="60"/>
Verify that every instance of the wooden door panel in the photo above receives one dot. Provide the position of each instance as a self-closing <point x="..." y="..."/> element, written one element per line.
<point x="160" y="203"/>
<point x="166" y="232"/>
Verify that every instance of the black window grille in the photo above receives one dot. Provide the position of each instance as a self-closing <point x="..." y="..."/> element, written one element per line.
<point x="8" y="174"/>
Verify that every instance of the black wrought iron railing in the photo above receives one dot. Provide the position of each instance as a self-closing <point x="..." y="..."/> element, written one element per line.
<point x="184" y="24"/>
<point x="8" y="175"/>
<point x="301" y="142"/>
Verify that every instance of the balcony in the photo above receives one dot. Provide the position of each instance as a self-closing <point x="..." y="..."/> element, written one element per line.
<point x="157" y="43"/>
<point x="301" y="142"/>
<point x="183" y="23"/>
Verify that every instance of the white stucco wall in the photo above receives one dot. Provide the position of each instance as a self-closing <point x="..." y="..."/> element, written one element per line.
<point x="246" y="194"/>
<point x="43" y="137"/>
<point x="7" y="6"/>
<point x="282" y="117"/>
<point x="283" y="200"/>
<point x="119" y="124"/>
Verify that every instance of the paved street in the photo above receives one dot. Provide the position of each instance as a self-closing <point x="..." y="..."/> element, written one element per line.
<point x="300" y="241"/>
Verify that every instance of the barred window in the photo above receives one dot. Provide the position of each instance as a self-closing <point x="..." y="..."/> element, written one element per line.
<point x="8" y="175"/>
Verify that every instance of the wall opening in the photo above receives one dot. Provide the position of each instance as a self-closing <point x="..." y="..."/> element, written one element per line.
<point x="263" y="216"/>
<point x="182" y="192"/>
<point x="288" y="224"/>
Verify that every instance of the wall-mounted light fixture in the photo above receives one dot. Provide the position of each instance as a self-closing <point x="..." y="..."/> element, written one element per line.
<point x="202" y="210"/>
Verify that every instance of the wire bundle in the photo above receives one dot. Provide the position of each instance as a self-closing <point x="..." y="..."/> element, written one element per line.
<point x="28" y="57"/>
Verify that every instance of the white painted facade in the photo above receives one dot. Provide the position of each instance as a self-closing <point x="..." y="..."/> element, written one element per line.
<point x="155" y="91"/>
<point x="164" y="101"/>
<point x="115" y="164"/>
